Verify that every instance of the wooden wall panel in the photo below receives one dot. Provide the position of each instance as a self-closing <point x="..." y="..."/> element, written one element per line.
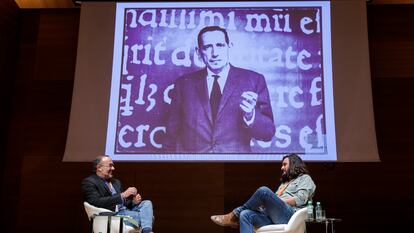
<point x="9" y="27"/>
<point x="57" y="46"/>
<point x="369" y="197"/>
<point x="50" y="200"/>
<point x="393" y="107"/>
<point x="391" y="40"/>
<point x="8" y="57"/>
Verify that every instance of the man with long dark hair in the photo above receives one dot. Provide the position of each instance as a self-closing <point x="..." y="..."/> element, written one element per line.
<point x="266" y="207"/>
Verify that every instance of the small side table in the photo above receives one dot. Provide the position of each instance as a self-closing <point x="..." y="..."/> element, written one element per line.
<point x="326" y="221"/>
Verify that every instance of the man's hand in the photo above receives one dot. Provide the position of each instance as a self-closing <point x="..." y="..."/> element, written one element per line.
<point x="248" y="103"/>
<point x="137" y="199"/>
<point x="131" y="191"/>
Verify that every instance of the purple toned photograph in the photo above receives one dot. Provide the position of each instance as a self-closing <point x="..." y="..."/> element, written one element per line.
<point x="220" y="80"/>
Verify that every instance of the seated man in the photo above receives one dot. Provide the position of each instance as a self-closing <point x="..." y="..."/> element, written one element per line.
<point x="101" y="190"/>
<point x="266" y="207"/>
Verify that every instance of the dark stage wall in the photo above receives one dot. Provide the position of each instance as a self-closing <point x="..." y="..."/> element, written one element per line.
<point x="41" y="194"/>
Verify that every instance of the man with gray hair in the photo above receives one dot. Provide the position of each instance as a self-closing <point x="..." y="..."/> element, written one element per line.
<point x="104" y="191"/>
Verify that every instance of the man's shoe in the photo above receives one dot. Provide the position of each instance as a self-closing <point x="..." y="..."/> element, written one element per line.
<point x="226" y="220"/>
<point x="135" y="230"/>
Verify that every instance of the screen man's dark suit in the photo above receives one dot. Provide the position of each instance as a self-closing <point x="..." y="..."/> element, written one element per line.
<point x="97" y="193"/>
<point x="191" y="129"/>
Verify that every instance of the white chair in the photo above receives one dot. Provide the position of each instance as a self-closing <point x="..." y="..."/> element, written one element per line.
<point x="100" y="223"/>
<point x="296" y="224"/>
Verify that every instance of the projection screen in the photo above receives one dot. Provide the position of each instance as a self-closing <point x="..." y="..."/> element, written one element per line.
<point x="132" y="56"/>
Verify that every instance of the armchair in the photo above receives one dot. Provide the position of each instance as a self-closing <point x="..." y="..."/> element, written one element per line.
<point x="296" y="224"/>
<point x="103" y="223"/>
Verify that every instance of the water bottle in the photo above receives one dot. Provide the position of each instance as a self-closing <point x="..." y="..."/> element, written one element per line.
<point x="318" y="211"/>
<point x="310" y="210"/>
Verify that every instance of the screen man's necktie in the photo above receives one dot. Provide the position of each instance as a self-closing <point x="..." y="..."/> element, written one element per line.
<point x="215" y="97"/>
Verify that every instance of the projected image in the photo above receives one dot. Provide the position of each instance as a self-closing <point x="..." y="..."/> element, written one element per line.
<point x="221" y="81"/>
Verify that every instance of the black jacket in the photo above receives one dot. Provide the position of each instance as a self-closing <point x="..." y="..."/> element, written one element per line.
<point x="97" y="193"/>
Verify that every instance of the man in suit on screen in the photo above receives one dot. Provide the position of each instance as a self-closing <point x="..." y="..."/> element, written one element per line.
<point x="220" y="108"/>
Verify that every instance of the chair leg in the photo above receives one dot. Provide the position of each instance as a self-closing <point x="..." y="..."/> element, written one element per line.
<point x="121" y="225"/>
<point x="91" y="225"/>
<point x="108" y="226"/>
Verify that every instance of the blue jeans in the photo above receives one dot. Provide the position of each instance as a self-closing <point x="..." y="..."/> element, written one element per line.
<point x="141" y="213"/>
<point x="263" y="208"/>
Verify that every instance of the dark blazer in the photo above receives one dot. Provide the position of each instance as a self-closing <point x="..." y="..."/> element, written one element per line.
<point x="97" y="193"/>
<point x="190" y="128"/>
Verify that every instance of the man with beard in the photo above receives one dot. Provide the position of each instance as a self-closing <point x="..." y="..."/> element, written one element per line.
<point x="104" y="191"/>
<point x="266" y="207"/>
